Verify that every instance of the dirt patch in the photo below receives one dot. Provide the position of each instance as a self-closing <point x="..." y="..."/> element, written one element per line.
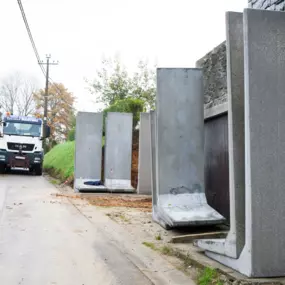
<point x="120" y="201"/>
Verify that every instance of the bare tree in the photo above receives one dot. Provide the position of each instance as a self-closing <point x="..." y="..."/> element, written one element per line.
<point x="25" y="101"/>
<point x="9" y="92"/>
<point x="17" y="95"/>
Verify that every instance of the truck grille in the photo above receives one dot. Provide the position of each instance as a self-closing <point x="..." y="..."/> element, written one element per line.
<point x="19" y="146"/>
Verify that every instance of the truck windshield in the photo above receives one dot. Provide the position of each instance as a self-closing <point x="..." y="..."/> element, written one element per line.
<point x="22" y="129"/>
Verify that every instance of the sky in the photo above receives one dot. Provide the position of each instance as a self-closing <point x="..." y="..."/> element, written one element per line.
<point x="78" y="34"/>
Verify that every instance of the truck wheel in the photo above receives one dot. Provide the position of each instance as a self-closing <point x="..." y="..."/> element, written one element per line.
<point x="2" y="169"/>
<point x="38" y="171"/>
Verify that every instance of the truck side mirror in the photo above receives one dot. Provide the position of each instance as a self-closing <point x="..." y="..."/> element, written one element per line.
<point x="47" y="132"/>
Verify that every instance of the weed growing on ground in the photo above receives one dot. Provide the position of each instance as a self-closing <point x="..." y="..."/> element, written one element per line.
<point x="158" y="237"/>
<point x="166" y="250"/>
<point x="54" y="182"/>
<point x="124" y="218"/>
<point x="209" y="276"/>
<point x="150" y="245"/>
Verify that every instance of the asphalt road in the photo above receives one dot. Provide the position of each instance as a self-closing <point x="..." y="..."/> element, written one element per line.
<point x="44" y="241"/>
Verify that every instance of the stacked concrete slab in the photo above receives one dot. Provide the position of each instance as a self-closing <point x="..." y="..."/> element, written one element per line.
<point x="179" y="151"/>
<point x="263" y="253"/>
<point x="88" y="150"/>
<point x="118" y="152"/>
<point x="144" y="176"/>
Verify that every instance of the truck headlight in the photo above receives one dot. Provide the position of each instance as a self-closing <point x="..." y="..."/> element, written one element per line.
<point x="37" y="159"/>
<point x="2" y="157"/>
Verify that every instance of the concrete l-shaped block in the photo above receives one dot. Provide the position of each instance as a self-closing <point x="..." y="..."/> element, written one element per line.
<point x="179" y="150"/>
<point x="88" y="150"/>
<point x="118" y="152"/>
<point x="234" y="243"/>
<point x="144" y="176"/>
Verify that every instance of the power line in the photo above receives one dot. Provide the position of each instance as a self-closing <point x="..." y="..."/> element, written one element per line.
<point x="30" y="35"/>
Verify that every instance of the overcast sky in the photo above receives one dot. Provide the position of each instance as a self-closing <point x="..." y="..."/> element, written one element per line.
<point x="78" y="33"/>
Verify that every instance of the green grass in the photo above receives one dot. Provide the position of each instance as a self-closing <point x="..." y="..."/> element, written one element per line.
<point x="158" y="237"/>
<point x="150" y="245"/>
<point x="60" y="160"/>
<point x="209" y="276"/>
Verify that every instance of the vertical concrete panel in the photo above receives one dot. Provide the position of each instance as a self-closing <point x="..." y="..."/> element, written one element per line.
<point x="144" y="177"/>
<point x="118" y="151"/>
<point x="235" y="240"/>
<point x="180" y="149"/>
<point x="153" y="161"/>
<point x="265" y="140"/>
<point x="88" y="148"/>
<point x="235" y="78"/>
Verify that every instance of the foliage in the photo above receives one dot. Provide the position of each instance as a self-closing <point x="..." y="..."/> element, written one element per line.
<point x="16" y="95"/>
<point x="71" y="133"/>
<point x="61" y="160"/>
<point x="60" y="110"/>
<point x="128" y="105"/>
<point x="113" y="83"/>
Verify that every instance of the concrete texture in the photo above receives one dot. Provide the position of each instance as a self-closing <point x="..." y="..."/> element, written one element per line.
<point x="277" y="5"/>
<point x="118" y="151"/>
<point x="153" y="138"/>
<point x="88" y="149"/>
<point x="234" y="243"/>
<point x="215" y="111"/>
<point x="144" y="175"/>
<point x="263" y="254"/>
<point x="180" y="150"/>
<point x="46" y="239"/>
<point x="214" y="67"/>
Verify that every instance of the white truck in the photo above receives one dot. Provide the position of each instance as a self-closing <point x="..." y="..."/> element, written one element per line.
<point x="21" y="143"/>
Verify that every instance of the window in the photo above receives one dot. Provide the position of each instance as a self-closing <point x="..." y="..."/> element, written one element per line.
<point x="22" y="129"/>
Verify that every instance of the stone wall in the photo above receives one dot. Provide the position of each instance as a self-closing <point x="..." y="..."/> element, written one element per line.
<point x="278" y="5"/>
<point x="214" y="65"/>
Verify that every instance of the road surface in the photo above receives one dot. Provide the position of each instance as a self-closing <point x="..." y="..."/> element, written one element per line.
<point x="45" y="240"/>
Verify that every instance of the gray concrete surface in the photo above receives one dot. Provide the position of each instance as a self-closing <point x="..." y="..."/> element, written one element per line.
<point x="180" y="150"/>
<point x="144" y="175"/>
<point x="235" y="241"/>
<point x="46" y="239"/>
<point x="215" y="111"/>
<point x="118" y="151"/>
<point x="263" y="254"/>
<point x="153" y="137"/>
<point x="88" y="149"/>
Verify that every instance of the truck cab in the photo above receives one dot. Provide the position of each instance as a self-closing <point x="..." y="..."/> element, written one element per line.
<point x="21" y="143"/>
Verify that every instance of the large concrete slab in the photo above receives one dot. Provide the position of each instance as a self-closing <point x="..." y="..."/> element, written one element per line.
<point x="88" y="150"/>
<point x="118" y="152"/>
<point x="263" y="254"/>
<point x="153" y="136"/>
<point x="234" y="243"/>
<point x="144" y="177"/>
<point x="180" y="150"/>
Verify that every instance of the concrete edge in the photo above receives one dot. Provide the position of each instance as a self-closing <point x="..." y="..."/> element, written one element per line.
<point x="230" y="276"/>
<point x="215" y="111"/>
<point x="193" y="237"/>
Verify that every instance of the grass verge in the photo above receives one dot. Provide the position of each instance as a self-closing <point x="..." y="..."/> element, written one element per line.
<point x="59" y="161"/>
<point x="203" y="275"/>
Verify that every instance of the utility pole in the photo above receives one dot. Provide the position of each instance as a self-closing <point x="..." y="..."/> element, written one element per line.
<point x="47" y="63"/>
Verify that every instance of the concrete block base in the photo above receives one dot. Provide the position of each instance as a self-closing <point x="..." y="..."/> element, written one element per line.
<point x="185" y="210"/>
<point x="119" y="185"/>
<point x="80" y="186"/>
